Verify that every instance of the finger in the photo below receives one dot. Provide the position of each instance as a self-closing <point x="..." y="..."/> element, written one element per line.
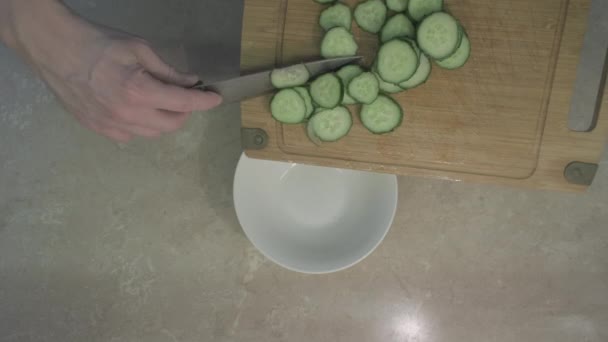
<point x="173" y="98"/>
<point x="144" y="131"/>
<point x="152" y="122"/>
<point x="131" y="128"/>
<point x="116" y="135"/>
<point x="113" y="133"/>
<point x="161" y="70"/>
<point x="134" y="129"/>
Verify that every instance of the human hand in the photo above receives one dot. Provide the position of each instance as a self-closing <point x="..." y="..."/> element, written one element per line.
<point x="112" y="82"/>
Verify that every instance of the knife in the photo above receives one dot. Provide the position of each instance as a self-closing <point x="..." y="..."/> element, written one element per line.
<point x="253" y="85"/>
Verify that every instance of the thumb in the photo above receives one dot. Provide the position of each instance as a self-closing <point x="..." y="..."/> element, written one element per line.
<point x="161" y="70"/>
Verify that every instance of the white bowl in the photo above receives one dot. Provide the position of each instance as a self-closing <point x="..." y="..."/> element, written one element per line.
<point x="313" y="219"/>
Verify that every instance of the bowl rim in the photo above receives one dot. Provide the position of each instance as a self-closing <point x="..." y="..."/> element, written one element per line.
<point x="395" y="200"/>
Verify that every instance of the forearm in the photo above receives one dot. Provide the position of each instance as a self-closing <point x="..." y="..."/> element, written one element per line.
<point x="14" y="14"/>
<point x="42" y="31"/>
<point x="20" y="18"/>
<point x="6" y="26"/>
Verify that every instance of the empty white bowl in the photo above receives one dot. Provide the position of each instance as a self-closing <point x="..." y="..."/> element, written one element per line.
<point x="313" y="219"/>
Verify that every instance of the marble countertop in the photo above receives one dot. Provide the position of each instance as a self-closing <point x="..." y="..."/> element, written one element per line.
<point x="140" y="242"/>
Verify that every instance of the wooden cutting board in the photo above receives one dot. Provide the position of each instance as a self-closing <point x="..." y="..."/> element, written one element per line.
<point x="502" y="118"/>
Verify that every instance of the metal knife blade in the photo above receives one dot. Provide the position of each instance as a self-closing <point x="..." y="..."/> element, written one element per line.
<point x="253" y="85"/>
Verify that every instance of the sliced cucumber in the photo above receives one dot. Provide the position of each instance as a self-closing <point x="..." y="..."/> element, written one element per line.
<point x="387" y="87"/>
<point x="414" y="44"/>
<point x="397" y="5"/>
<point x="310" y="108"/>
<point x="397" y="61"/>
<point x="347" y="99"/>
<point x="439" y="35"/>
<point x="338" y="15"/>
<point x="410" y="42"/>
<point x="311" y="134"/>
<point x="292" y="76"/>
<point x="364" y="88"/>
<point x="338" y="42"/>
<point x="458" y="58"/>
<point x="288" y="107"/>
<point x="397" y="26"/>
<point x="331" y="124"/>
<point x="370" y="15"/>
<point x="346" y="74"/>
<point x="422" y="74"/>
<point x="418" y="9"/>
<point x="382" y="116"/>
<point x="327" y="91"/>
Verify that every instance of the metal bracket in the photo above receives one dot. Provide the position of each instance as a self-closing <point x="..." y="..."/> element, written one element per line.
<point x="580" y="173"/>
<point x="253" y="138"/>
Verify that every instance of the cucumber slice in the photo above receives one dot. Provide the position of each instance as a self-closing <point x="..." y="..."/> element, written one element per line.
<point x="310" y="108"/>
<point x="331" y="124"/>
<point x="397" y="5"/>
<point x="292" y="76"/>
<point x="416" y="48"/>
<point x="346" y="74"/>
<point x="382" y="116"/>
<point x="288" y="107"/>
<point x="397" y="26"/>
<point x="418" y="9"/>
<point x="347" y="99"/>
<point x="458" y="58"/>
<point x="387" y="87"/>
<point x="338" y="15"/>
<point x="370" y="15"/>
<point x="421" y="76"/>
<point x="327" y="91"/>
<point x="439" y="35"/>
<point x="324" y="1"/>
<point x="311" y="134"/>
<point x="338" y="42"/>
<point x="397" y="61"/>
<point x="364" y="88"/>
<point x="413" y="44"/>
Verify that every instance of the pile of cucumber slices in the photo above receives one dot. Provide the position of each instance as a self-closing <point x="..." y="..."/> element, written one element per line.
<point x="417" y="33"/>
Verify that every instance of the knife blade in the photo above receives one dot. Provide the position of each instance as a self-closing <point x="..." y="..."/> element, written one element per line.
<point x="253" y="85"/>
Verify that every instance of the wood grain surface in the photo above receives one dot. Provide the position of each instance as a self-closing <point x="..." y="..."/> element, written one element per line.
<point x="502" y="118"/>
